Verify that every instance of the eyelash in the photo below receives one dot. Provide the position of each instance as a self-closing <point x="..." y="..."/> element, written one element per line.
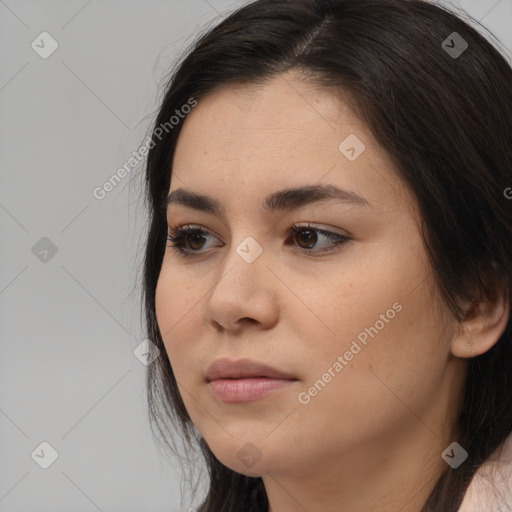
<point x="180" y="233"/>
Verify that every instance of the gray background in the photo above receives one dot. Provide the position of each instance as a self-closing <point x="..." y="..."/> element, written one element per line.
<point x="70" y="321"/>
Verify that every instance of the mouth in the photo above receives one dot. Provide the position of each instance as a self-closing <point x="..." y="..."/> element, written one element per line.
<point x="245" y="380"/>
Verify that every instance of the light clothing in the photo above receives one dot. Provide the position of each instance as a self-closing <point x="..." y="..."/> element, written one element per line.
<point x="491" y="487"/>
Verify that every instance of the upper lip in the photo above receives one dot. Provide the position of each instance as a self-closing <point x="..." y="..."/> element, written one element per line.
<point x="243" y="368"/>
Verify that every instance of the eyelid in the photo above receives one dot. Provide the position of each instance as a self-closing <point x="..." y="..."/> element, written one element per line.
<point x="179" y="235"/>
<point x="320" y="227"/>
<point x="305" y="224"/>
<point x="192" y="227"/>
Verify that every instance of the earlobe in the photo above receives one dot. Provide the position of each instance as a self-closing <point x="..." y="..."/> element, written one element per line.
<point x="463" y="345"/>
<point x="482" y="327"/>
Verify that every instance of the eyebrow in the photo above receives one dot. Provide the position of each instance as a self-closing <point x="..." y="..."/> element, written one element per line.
<point x="290" y="198"/>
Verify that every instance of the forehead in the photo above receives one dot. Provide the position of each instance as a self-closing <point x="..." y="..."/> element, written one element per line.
<point x="285" y="132"/>
<point x="281" y="114"/>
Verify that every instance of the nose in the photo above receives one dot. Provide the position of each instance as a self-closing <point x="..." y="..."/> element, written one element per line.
<point x="244" y="292"/>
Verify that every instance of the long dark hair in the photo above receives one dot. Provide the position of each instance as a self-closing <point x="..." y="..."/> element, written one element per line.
<point x="446" y="121"/>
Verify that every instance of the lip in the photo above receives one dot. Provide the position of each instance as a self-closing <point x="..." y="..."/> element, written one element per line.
<point x="245" y="380"/>
<point x="225" y="368"/>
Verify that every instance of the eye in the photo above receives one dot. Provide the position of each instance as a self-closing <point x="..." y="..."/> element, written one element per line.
<point x="308" y="236"/>
<point x="187" y="240"/>
<point x="182" y="236"/>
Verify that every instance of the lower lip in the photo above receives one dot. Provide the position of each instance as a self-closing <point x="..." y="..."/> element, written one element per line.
<point x="246" y="390"/>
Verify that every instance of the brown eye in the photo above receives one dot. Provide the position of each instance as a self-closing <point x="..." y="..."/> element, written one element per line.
<point x="196" y="241"/>
<point x="188" y="240"/>
<point x="308" y="237"/>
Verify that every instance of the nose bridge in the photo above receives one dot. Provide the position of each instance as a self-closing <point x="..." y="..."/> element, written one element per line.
<point x="247" y="237"/>
<point x="244" y="262"/>
<point x="242" y="291"/>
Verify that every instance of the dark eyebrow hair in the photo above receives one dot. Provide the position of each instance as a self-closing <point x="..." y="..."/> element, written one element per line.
<point x="290" y="198"/>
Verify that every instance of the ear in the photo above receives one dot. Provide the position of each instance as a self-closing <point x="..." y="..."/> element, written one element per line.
<point x="484" y="323"/>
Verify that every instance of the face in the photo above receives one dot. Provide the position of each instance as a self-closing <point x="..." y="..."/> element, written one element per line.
<point x="345" y="307"/>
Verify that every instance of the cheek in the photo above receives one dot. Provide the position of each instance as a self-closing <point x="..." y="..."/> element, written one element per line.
<point x="176" y="304"/>
<point x="390" y="364"/>
<point x="382" y="318"/>
<point x="376" y="391"/>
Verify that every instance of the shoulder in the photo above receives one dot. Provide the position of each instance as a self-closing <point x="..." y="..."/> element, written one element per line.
<point x="491" y="487"/>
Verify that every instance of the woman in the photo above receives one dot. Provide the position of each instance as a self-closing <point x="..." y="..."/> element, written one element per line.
<point x="329" y="259"/>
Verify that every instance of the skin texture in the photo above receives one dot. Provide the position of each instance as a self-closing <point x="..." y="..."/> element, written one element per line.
<point x="371" y="439"/>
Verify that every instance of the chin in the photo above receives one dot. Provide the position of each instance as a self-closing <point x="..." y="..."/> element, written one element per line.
<point x="245" y="455"/>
